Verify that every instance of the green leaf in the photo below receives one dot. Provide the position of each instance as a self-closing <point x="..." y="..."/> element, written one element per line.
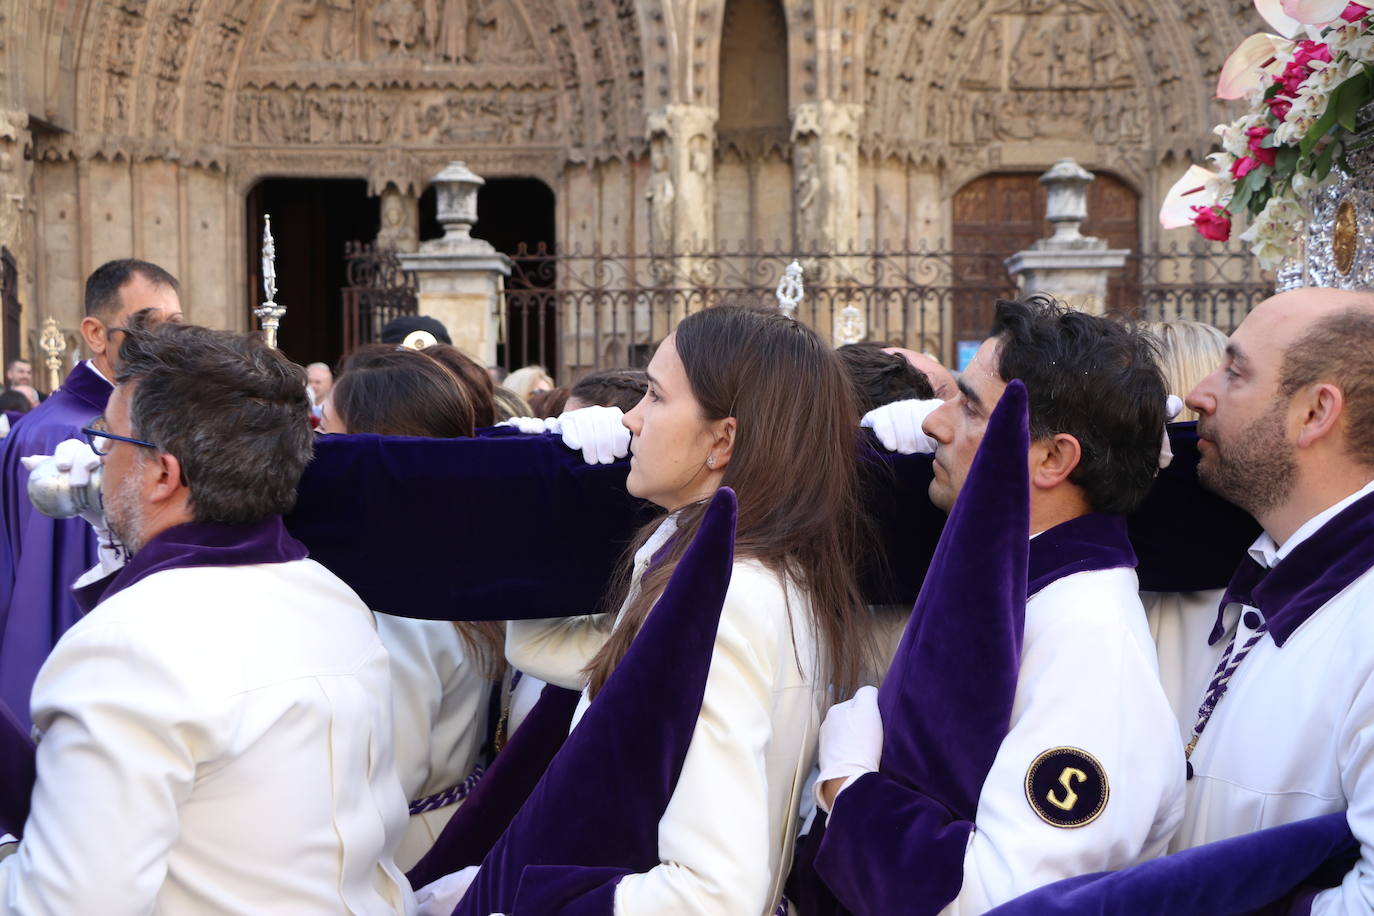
<point x="1348" y="98"/>
<point x="1285" y="161"/>
<point x="1322" y="167"/>
<point x="1240" y="199"/>
<point x="1319" y="130"/>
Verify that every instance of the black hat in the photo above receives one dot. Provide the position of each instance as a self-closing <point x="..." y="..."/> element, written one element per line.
<point x="398" y="329"/>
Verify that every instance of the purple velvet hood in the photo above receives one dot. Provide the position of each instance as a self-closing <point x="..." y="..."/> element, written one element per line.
<point x="593" y="817"/>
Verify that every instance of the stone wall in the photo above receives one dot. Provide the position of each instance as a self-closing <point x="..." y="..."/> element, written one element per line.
<point x="137" y="127"/>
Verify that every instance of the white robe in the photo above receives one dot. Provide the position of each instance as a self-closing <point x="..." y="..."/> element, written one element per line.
<point x="441" y="704"/>
<point x="215" y="741"/>
<point x="1293" y="737"/>
<point x="726" y="838"/>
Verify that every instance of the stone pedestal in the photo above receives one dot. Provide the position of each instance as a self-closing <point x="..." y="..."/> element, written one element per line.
<point x="461" y="278"/>
<point x="1068" y="265"/>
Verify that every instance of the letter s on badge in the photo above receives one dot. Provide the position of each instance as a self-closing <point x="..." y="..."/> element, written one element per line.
<point x="1066" y="787"/>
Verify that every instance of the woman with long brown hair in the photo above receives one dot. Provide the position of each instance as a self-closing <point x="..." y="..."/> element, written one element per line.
<point x="753" y="400"/>
<point x="442" y="674"/>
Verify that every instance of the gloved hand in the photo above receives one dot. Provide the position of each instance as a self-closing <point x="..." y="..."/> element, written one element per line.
<point x="441" y="897"/>
<point x="77" y="459"/>
<point x="851" y="740"/>
<point x="599" y="432"/>
<point x="530" y="426"/>
<point x="1173" y="406"/>
<point x="898" y="425"/>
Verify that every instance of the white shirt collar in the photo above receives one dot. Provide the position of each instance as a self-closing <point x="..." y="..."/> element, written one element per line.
<point x="665" y="530"/>
<point x="91" y="366"/>
<point x="1266" y="553"/>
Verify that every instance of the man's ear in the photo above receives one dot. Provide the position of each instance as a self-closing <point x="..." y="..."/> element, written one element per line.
<point x="170" y="479"/>
<point x="1053" y="460"/>
<point x="1320" y="409"/>
<point x="724" y="446"/>
<point x="94" y="335"/>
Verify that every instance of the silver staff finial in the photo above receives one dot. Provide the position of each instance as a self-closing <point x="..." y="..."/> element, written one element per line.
<point x="269" y="313"/>
<point x="790" y="289"/>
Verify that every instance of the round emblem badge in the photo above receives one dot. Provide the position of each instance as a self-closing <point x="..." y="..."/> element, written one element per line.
<point x="1066" y="787"/>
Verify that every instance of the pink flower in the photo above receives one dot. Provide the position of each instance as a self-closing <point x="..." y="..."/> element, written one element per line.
<point x="1265" y="155"/>
<point x="1354" y="13"/>
<point x="1278" y="107"/>
<point x="1213" y="223"/>
<point x="1243" y="166"/>
<point x="1257" y="135"/>
<point x="1309" y="51"/>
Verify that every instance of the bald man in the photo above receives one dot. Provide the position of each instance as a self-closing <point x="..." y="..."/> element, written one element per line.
<point x="941" y="379"/>
<point x="1286" y="729"/>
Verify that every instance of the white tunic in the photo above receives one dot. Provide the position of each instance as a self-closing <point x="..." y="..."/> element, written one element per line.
<point x="441" y="703"/>
<point x="1088" y="680"/>
<point x="215" y="741"/>
<point x="1293" y="737"/>
<point x="726" y="838"/>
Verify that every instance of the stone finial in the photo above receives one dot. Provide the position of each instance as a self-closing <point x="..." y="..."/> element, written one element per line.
<point x="455" y="190"/>
<point x="1066" y="206"/>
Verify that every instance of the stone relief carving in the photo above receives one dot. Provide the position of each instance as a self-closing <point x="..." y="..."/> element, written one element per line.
<point x="277" y="117"/>
<point x="660" y="193"/>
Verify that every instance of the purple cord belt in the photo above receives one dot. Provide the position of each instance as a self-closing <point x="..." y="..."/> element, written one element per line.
<point x="450" y="795"/>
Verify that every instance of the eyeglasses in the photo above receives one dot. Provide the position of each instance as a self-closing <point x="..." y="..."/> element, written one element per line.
<point x="102" y="440"/>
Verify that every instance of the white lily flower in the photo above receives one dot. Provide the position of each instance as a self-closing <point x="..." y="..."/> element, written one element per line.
<point x="1251" y="66"/>
<point x="1313" y="12"/>
<point x="1272" y="11"/>
<point x="1197" y="188"/>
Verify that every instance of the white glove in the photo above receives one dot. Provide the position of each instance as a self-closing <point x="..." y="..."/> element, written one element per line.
<point x="1173" y="406"/>
<point x="898" y="425"/>
<point x="530" y="426"/>
<point x="599" y="432"/>
<point x="77" y="459"/>
<point x="4" y="426"/>
<point x="441" y="897"/>
<point x="851" y="740"/>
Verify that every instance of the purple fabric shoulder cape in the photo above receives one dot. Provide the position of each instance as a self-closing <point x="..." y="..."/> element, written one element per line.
<point x="593" y="817"/>
<point x="192" y="544"/>
<point x="40" y="557"/>
<point x="946" y="701"/>
<point x="1275" y="871"/>
<point x="421" y="527"/>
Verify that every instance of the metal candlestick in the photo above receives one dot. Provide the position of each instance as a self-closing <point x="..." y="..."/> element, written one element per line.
<point x="790" y="289"/>
<point x="52" y="343"/>
<point x="269" y="313"/>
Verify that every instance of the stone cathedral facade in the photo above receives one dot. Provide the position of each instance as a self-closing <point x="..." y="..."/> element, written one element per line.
<point x="145" y="127"/>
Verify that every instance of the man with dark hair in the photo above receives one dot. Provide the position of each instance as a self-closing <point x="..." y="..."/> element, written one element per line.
<point x="216" y="731"/>
<point x="1286" y="729"/>
<point x="19" y="372"/>
<point x="623" y="388"/>
<point x="40" y="556"/>
<point x="880" y="377"/>
<point x="1088" y="706"/>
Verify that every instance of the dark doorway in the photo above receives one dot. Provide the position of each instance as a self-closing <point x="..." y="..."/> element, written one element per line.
<point x="312" y="218"/>
<point x="517" y="216"/>
<point x="997" y="215"/>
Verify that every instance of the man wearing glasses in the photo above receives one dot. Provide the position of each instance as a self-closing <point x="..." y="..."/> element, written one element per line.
<point x="216" y="730"/>
<point x="40" y="556"/>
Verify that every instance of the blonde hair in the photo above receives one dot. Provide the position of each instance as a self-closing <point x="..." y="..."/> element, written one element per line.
<point x="1189" y="351"/>
<point x="522" y="381"/>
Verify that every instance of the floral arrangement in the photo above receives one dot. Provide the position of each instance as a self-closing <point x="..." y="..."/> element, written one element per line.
<point x="1303" y="88"/>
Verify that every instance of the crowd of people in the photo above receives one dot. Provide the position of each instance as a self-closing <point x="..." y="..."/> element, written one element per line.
<point x="226" y="724"/>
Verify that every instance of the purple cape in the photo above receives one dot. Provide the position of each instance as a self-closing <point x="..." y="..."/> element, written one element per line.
<point x="1276" y="871"/>
<point x="41" y="557"/>
<point x="593" y="818"/>
<point x="421" y="527"/>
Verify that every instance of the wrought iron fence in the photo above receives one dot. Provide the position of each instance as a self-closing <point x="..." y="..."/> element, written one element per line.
<point x="378" y="290"/>
<point x="575" y="311"/>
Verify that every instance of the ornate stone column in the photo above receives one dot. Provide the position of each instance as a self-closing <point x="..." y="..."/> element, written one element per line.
<point x="682" y="179"/>
<point x="461" y="278"/>
<point x="825" y="170"/>
<point x="1068" y="264"/>
<point x="16" y="207"/>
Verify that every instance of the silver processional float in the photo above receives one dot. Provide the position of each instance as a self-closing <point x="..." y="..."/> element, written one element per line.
<point x="51" y="491"/>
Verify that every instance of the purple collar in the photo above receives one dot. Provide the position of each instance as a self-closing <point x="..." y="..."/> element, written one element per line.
<point x="87" y="386"/>
<point x="1317" y="570"/>
<point x="198" y="544"/>
<point x="1088" y="543"/>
